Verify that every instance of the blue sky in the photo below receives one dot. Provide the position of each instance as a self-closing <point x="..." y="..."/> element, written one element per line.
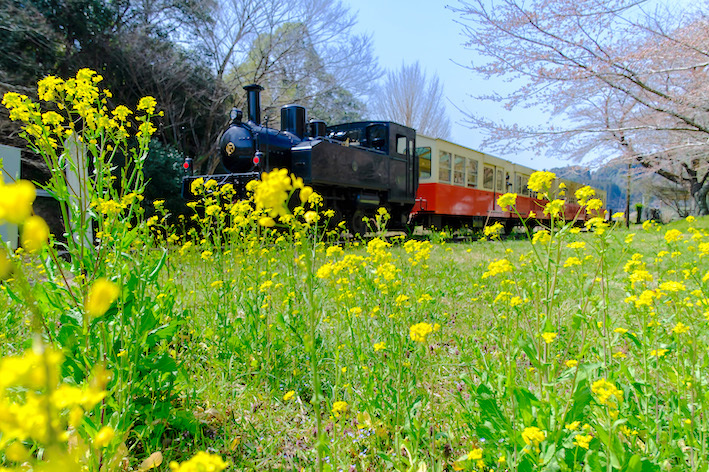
<point x="425" y="31"/>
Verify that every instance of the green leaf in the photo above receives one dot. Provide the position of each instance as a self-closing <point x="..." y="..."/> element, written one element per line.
<point x="581" y="400"/>
<point x="490" y="413"/>
<point x="634" y="464"/>
<point x="525" y="402"/>
<point x="156" y="270"/>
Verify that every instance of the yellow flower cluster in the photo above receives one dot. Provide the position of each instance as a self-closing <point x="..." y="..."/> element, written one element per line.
<point x="554" y="208"/>
<point x="582" y="440"/>
<point x="16" y="201"/>
<point x="541" y="182"/>
<point x="272" y="191"/>
<point x="201" y="462"/>
<point x="493" y="231"/>
<point x="420" y="331"/>
<point x="541" y="237"/>
<point x="572" y="261"/>
<point x="497" y="267"/>
<point x="16" y="207"/>
<point x="76" y="96"/>
<point x="673" y="235"/>
<point x="34" y="405"/>
<point x="533" y="436"/>
<point x="101" y="296"/>
<point x="507" y="200"/>
<point x="607" y="393"/>
<point x="583" y="194"/>
<point x="339" y="408"/>
<point x="420" y="251"/>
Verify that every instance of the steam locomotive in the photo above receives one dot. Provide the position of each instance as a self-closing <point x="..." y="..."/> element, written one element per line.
<point x="356" y="167"/>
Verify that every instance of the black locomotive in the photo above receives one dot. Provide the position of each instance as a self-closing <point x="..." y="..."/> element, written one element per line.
<point x="356" y="167"/>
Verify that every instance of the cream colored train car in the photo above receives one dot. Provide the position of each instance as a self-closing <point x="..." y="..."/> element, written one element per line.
<point x="459" y="186"/>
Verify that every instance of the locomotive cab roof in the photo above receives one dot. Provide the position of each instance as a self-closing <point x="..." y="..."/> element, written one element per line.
<point x="386" y="137"/>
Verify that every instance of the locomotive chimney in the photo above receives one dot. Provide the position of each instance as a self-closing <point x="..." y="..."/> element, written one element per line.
<point x="293" y="120"/>
<point x="254" y="102"/>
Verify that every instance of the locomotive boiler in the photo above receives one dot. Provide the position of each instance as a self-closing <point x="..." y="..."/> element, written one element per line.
<point x="356" y="167"/>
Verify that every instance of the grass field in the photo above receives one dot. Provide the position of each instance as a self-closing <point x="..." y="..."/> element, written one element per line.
<point x="255" y="340"/>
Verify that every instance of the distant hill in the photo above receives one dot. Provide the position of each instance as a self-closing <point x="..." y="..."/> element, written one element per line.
<point x="611" y="177"/>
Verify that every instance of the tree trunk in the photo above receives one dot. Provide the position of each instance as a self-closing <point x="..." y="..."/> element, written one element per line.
<point x="700" y="197"/>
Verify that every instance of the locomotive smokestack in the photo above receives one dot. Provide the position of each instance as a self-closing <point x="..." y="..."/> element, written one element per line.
<point x="254" y="102"/>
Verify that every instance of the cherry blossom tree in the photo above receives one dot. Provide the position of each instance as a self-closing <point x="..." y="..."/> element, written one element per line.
<point x="625" y="78"/>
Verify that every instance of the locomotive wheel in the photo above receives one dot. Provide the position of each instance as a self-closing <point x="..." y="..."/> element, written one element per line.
<point x="355" y="223"/>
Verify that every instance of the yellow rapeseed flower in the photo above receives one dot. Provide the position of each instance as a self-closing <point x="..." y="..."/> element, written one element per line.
<point x="201" y="462"/>
<point x="475" y="455"/>
<point x="288" y="395"/>
<point x="507" y="200"/>
<point x="541" y="237"/>
<point x="572" y="261"/>
<point x="267" y="222"/>
<point x="271" y="192"/>
<point x="494" y="230"/>
<point x="16" y="201"/>
<point x="101" y="296"/>
<point x="311" y="217"/>
<point x="498" y="267"/>
<point x="533" y="436"/>
<point x="549" y="337"/>
<point x="680" y="328"/>
<point x="554" y="208"/>
<point x="672" y="286"/>
<point x="541" y="181"/>
<point x="583" y="194"/>
<point x="582" y="440"/>
<point x="420" y="331"/>
<point x="305" y="194"/>
<point x="35" y="233"/>
<point x="606" y="392"/>
<point x="104" y="437"/>
<point x="147" y="104"/>
<point x="673" y="235"/>
<point x="339" y="408"/>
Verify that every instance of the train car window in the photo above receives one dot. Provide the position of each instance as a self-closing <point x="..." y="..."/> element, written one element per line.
<point x="350" y="137"/>
<point x="500" y="187"/>
<point x="521" y="184"/>
<point x="488" y="177"/>
<point x="424" y="155"/>
<point x="458" y="171"/>
<point x="377" y="137"/>
<point x="472" y="172"/>
<point x="402" y="145"/>
<point x="444" y="167"/>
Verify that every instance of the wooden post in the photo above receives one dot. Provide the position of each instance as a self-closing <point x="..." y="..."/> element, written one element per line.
<point x="77" y="180"/>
